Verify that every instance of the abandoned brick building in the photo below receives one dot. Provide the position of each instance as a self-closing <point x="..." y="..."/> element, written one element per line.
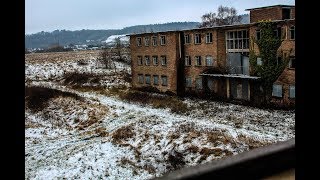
<point x="186" y="61"/>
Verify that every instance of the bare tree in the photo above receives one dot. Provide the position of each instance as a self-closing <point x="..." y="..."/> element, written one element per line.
<point x="105" y="58"/>
<point x="225" y="16"/>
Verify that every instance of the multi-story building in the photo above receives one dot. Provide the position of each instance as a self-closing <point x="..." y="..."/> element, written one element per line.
<point x="215" y="61"/>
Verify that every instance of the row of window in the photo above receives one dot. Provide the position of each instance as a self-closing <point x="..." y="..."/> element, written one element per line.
<point x="154" y="40"/>
<point x="154" y="60"/>
<point x="198" y="61"/>
<point x="162" y="38"/>
<point x="146" y="79"/>
<point x="197" y="38"/>
<point x="238" y="39"/>
<point x="280" y="33"/>
<point x="291" y="64"/>
<point x="188" y="82"/>
<point x="277" y="91"/>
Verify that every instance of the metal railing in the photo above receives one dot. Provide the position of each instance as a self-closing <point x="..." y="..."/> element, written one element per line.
<point x="254" y="164"/>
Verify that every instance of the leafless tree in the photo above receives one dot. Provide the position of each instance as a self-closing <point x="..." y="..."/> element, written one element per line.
<point x="224" y="16"/>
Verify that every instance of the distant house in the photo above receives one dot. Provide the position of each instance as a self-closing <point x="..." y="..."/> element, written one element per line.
<point x="214" y="60"/>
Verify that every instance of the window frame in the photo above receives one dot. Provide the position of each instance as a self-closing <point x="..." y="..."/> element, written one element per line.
<point x="140" y="60"/>
<point x="292" y="28"/>
<point x="153" y="60"/>
<point x="187" y="59"/>
<point x="290" y="93"/>
<point x="290" y="63"/>
<point x="199" y="38"/>
<point x="147" y="76"/>
<point x="277" y="89"/>
<point x="154" y="40"/>
<point x="212" y="61"/>
<point x="140" y="77"/>
<point x="162" y="37"/>
<point x="198" y="59"/>
<point x="197" y="79"/>
<point x="162" y="82"/>
<point x="164" y="57"/>
<point x="187" y="81"/>
<point x="153" y="78"/>
<point x="145" y="59"/>
<point x="187" y="37"/>
<point x="139" y="41"/>
<point x="210" y="37"/>
<point x="146" y="41"/>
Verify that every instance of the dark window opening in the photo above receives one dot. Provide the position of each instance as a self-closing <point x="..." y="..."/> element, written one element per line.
<point x="286" y="13"/>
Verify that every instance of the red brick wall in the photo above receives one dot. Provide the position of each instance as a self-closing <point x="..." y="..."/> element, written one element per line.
<point x="202" y="50"/>
<point x="170" y="50"/>
<point x="265" y="14"/>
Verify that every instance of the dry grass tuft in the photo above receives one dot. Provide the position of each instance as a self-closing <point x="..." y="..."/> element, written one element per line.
<point x="122" y="133"/>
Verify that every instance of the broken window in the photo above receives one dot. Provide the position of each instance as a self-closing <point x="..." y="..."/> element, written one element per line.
<point x="209" y="38"/>
<point x="209" y="61"/>
<point x="187" y="61"/>
<point x="140" y="63"/>
<point x="139" y="41"/>
<point x="147" y="79"/>
<point x="162" y="40"/>
<point x="292" y="63"/>
<point x="163" y="60"/>
<point x="146" y="41"/>
<point x="210" y="84"/>
<point x="292" y="33"/>
<point x="154" y="40"/>
<point x="147" y="59"/>
<point x="277" y="90"/>
<point x="199" y="83"/>
<point x="164" y="80"/>
<point x="238" y="39"/>
<point x="198" y="60"/>
<point x="292" y="91"/>
<point x="286" y="13"/>
<point x="140" y="78"/>
<point x="197" y="39"/>
<point x="188" y="82"/>
<point x="187" y="38"/>
<point x="155" y="79"/>
<point x="155" y="60"/>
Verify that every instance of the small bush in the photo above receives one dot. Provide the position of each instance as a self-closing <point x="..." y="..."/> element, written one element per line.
<point x="75" y="78"/>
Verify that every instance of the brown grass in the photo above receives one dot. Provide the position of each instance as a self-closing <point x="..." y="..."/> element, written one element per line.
<point x="158" y="101"/>
<point x="122" y="133"/>
<point x="251" y="142"/>
<point x="37" y="97"/>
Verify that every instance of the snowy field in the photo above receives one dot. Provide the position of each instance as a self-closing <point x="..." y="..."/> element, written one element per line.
<point x="85" y="128"/>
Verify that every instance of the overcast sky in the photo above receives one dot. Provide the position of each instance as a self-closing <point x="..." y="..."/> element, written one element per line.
<point x="49" y="15"/>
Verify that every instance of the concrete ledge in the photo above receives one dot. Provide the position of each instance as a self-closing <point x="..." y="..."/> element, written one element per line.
<point x="254" y="164"/>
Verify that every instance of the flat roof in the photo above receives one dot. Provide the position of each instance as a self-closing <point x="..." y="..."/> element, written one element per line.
<point x="215" y="27"/>
<point x="242" y="76"/>
<point x="279" y="5"/>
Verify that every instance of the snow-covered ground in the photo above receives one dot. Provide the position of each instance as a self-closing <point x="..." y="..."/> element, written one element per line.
<point x="100" y="136"/>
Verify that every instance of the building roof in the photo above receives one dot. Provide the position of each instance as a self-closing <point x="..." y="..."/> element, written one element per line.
<point x="242" y="76"/>
<point x="215" y="27"/>
<point x="279" y="5"/>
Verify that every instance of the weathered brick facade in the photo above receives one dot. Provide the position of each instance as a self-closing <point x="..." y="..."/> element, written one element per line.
<point x="198" y="59"/>
<point x="170" y="50"/>
<point x="271" y="13"/>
